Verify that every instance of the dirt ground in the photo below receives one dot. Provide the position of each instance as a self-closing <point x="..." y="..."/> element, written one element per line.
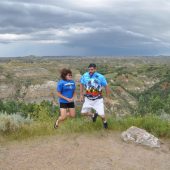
<point x="101" y="151"/>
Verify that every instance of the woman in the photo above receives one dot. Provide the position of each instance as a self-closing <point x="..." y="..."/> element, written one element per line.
<point x="66" y="92"/>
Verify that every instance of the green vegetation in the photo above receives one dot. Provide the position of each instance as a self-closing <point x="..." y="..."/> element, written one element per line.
<point x="153" y="124"/>
<point x="140" y="91"/>
<point x="19" y="126"/>
<point x="31" y="110"/>
<point x="13" y="122"/>
<point x="156" y="99"/>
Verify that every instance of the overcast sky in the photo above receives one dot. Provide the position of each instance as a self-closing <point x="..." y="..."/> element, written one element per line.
<point x="84" y="27"/>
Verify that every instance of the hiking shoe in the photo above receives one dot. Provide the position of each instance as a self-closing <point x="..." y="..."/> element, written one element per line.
<point x="56" y="125"/>
<point x="105" y="125"/>
<point x="94" y="117"/>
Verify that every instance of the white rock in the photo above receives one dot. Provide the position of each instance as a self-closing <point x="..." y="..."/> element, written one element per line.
<point x="140" y="136"/>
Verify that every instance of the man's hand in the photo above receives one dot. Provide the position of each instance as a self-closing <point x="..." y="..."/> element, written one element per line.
<point x="81" y="98"/>
<point x="107" y="98"/>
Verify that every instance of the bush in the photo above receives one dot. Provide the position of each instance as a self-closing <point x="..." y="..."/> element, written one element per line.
<point x="13" y="122"/>
<point x="31" y="109"/>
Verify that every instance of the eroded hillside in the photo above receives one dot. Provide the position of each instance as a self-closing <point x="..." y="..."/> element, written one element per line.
<point x="133" y="81"/>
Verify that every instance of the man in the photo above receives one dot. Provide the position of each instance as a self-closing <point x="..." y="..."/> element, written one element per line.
<point x="93" y="82"/>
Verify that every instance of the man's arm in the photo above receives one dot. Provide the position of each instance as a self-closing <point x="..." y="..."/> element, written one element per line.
<point x="107" y="91"/>
<point x="81" y="92"/>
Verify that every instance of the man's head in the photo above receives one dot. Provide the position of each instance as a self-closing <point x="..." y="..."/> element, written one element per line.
<point x="92" y="68"/>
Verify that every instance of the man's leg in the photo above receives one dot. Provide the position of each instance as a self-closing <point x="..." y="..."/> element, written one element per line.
<point x="87" y="112"/>
<point x="86" y="108"/>
<point x="105" y="125"/>
<point x="99" y="107"/>
<point x="94" y="116"/>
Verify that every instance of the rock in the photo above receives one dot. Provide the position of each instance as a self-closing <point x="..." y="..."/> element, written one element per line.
<point x="140" y="136"/>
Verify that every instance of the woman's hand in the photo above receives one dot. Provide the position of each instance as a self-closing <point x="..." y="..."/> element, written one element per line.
<point x="70" y="100"/>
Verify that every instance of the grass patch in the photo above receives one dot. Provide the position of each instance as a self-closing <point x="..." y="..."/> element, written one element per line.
<point x="151" y="123"/>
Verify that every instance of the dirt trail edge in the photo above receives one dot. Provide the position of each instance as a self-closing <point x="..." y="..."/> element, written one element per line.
<point x="101" y="151"/>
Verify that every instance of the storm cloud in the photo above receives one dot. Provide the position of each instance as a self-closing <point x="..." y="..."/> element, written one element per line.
<point x="110" y="27"/>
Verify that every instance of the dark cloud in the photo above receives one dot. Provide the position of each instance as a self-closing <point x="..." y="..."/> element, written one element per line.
<point x="110" y="27"/>
<point x="31" y="17"/>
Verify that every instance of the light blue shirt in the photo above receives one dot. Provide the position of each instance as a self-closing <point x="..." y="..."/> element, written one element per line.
<point x="93" y="84"/>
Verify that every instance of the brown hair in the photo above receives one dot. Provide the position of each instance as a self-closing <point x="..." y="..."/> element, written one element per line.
<point x="64" y="73"/>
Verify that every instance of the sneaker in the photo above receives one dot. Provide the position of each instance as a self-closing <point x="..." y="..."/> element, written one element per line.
<point x="56" y="125"/>
<point x="94" y="117"/>
<point x="105" y="125"/>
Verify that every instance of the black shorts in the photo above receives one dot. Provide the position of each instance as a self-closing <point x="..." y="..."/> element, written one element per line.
<point x="67" y="105"/>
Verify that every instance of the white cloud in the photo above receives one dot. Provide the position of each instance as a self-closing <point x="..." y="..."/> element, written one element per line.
<point x="13" y="37"/>
<point x="91" y="3"/>
<point x="50" y="41"/>
<point x="81" y="30"/>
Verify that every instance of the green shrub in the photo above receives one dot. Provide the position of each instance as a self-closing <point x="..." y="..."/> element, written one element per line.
<point x="152" y="123"/>
<point x="13" y="122"/>
<point x="31" y="109"/>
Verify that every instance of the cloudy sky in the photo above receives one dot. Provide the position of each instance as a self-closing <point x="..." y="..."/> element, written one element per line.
<point x="84" y="27"/>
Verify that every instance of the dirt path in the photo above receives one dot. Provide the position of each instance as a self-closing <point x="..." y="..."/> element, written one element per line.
<point x="104" y="151"/>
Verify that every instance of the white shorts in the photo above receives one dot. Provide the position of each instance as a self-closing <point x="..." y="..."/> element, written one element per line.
<point x="97" y="105"/>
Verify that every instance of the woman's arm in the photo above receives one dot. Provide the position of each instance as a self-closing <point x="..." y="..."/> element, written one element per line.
<point x="61" y="96"/>
<point x="74" y="95"/>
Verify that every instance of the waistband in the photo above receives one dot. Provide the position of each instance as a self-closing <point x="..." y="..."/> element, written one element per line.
<point x="92" y="98"/>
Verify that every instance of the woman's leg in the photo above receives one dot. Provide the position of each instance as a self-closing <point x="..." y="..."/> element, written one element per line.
<point x="72" y="112"/>
<point x="63" y="116"/>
